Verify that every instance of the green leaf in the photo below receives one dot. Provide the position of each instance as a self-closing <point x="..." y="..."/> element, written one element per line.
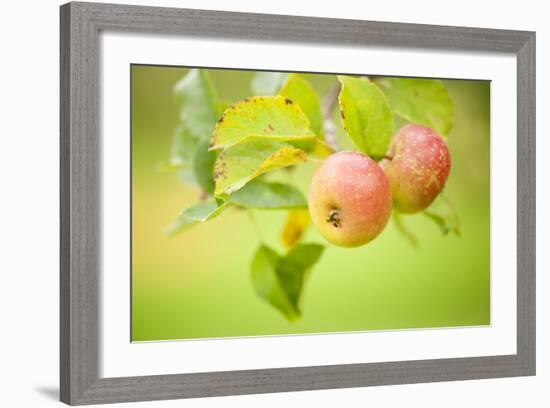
<point x="191" y="159"/>
<point x="295" y="226"/>
<point x="444" y="215"/>
<point x="298" y="90"/>
<point x="261" y="117"/>
<point x="238" y="165"/>
<point x="422" y="101"/>
<point x="267" y="83"/>
<point x="294" y="267"/>
<point x="366" y="115"/>
<point x="268" y="196"/>
<point x="200" y="107"/>
<point x="184" y="145"/>
<point x="266" y="281"/>
<point x="280" y="280"/>
<point x="200" y="212"/>
<point x="203" y="167"/>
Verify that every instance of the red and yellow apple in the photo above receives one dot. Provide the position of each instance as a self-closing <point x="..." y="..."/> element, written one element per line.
<point x="350" y="199"/>
<point x="418" y="167"/>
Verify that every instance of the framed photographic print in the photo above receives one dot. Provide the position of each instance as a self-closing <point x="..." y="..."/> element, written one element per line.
<point x="261" y="203"/>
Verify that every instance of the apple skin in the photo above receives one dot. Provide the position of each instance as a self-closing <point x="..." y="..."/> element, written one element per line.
<point x="419" y="167"/>
<point x="349" y="199"/>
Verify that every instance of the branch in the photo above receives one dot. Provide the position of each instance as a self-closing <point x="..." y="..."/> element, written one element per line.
<point x="329" y="102"/>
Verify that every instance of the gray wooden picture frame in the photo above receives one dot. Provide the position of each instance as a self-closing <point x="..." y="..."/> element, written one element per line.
<point x="81" y="24"/>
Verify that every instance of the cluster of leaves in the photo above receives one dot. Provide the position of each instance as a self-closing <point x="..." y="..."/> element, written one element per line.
<point x="227" y="151"/>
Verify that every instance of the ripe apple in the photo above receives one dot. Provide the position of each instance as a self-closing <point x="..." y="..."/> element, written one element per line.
<point x="418" y="167"/>
<point x="349" y="199"/>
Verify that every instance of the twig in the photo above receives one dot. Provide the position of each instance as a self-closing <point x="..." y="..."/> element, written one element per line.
<point x="255" y="225"/>
<point x="453" y="210"/>
<point x="329" y="102"/>
<point x="402" y="228"/>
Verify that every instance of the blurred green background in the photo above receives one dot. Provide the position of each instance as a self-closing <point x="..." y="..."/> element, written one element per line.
<point x="197" y="283"/>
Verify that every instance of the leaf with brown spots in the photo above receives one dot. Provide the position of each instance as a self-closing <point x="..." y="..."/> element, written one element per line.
<point x="296" y="89"/>
<point x="261" y="117"/>
<point x="239" y="164"/>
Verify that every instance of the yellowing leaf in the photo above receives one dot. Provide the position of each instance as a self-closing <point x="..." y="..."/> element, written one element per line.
<point x="238" y="165"/>
<point x="296" y="224"/>
<point x="272" y="118"/>
<point x="366" y="115"/>
<point x="298" y="90"/>
<point x="321" y="148"/>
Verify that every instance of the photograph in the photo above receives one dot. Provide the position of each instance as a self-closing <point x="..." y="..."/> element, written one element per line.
<point x="296" y="203"/>
<point x="253" y="202"/>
